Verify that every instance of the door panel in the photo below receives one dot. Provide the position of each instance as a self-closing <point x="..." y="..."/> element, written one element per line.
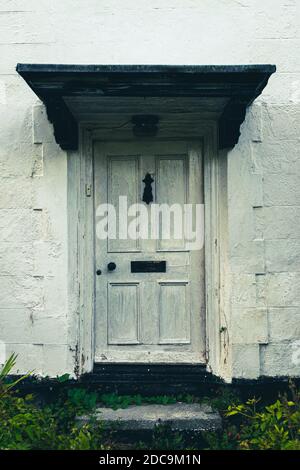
<point x="122" y="179"/>
<point x="174" y="313"/>
<point x="171" y="190"/>
<point x="149" y="316"/>
<point x="123" y="313"/>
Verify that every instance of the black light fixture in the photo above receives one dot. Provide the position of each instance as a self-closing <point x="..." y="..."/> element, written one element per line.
<point x="145" y="125"/>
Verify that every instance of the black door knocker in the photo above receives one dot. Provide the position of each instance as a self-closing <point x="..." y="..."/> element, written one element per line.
<point x="147" y="195"/>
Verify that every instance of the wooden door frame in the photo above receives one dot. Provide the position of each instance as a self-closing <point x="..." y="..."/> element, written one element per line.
<point x="82" y="246"/>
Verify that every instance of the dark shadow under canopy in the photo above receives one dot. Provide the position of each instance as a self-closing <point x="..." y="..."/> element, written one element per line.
<point x="237" y="85"/>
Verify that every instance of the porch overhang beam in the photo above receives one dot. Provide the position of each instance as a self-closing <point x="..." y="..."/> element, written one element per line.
<point x="239" y="85"/>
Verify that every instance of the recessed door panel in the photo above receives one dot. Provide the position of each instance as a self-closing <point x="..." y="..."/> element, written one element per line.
<point x="122" y="180"/>
<point x="171" y="189"/>
<point x="123" y="313"/>
<point x="174" y="314"/>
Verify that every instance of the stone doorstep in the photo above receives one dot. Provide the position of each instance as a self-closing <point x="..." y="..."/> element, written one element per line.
<point x="179" y="416"/>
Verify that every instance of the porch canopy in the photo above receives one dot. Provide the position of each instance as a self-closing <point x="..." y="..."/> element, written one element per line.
<point x="76" y="94"/>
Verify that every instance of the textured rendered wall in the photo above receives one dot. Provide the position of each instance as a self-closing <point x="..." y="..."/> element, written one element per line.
<point x="264" y="232"/>
<point x="263" y="260"/>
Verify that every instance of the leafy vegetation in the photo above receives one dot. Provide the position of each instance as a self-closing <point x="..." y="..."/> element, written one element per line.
<point x="5" y="384"/>
<point x="269" y="427"/>
<point x="164" y="438"/>
<point x="115" y="401"/>
<point x="25" y="424"/>
<point x="81" y="399"/>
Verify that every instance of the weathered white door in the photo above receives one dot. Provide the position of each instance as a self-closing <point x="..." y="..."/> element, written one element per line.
<point x="150" y="316"/>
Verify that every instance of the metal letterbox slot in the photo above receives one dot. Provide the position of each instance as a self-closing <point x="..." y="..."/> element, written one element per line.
<point x="148" y="266"/>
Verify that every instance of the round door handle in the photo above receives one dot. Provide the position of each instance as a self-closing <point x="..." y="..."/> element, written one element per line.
<point x="98" y="272"/>
<point x="111" y="266"/>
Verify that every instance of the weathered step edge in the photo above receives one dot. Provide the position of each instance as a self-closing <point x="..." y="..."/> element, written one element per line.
<point x="178" y="416"/>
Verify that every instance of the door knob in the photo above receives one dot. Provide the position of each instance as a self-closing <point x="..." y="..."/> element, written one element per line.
<point x="98" y="272"/>
<point x="111" y="266"/>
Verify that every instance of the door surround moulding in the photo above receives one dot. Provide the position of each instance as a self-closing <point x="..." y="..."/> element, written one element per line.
<point x="81" y="247"/>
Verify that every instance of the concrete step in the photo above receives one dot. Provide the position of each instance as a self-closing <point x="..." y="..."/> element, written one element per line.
<point x="178" y="416"/>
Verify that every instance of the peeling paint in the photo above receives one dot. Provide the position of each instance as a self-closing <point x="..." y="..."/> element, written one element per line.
<point x="260" y="300"/>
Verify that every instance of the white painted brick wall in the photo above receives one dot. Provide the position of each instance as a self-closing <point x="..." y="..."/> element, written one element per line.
<point x="263" y="169"/>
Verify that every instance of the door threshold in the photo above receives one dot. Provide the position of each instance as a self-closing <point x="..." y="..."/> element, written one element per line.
<point x="146" y="358"/>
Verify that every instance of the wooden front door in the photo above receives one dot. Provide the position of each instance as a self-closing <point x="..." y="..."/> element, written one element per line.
<point x="150" y="302"/>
